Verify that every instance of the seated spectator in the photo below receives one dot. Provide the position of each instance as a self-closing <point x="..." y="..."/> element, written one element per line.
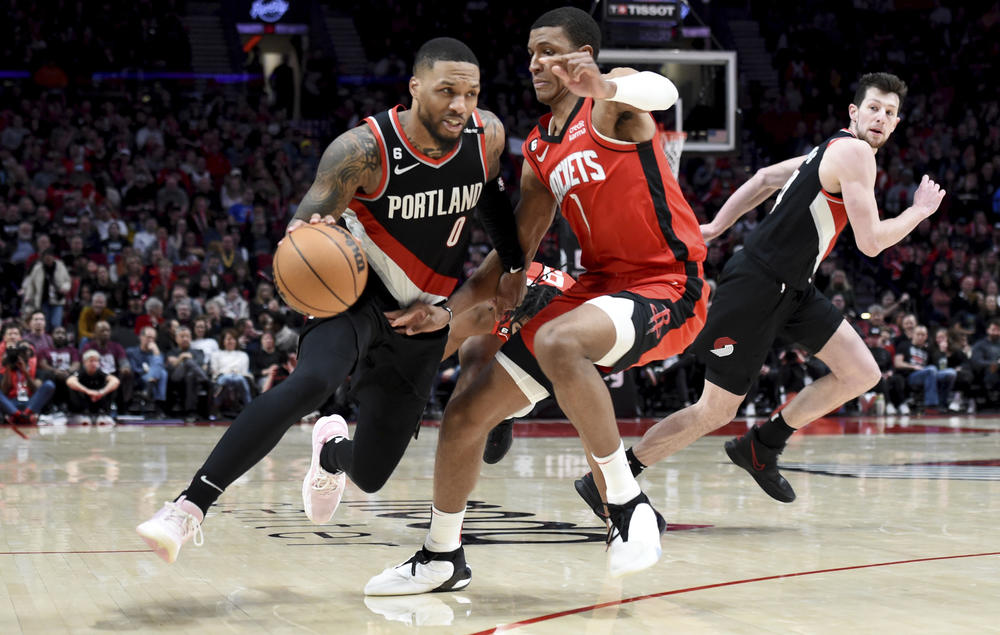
<point x="270" y="365"/>
<point x="22" y="394"/>
<point x="248" y="336"/>
<point x="91" y="392"/>
<point x="913" y="359"/>
<point x="986" y="362"/>
<point x="202" y="341"/>
<point x="941" y="357"/>
<point x="98" y="311"/>
<point x="36" y="332"/>
<point x="150" y="372"/>
<point x="891" y="386"/>
<point x="233" y="305"/>
<point x="46" y="287"/>
<point x="114" y="361"/>
<point x="58" y="362"/>
<point x="152" y="317"/>
<point x="839" y="284"/>
<point x="187" y="368"/>
<point x="263" y="300"/>
<point x="230" y="368"/>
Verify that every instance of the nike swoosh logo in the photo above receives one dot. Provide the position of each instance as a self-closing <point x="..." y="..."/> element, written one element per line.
<point x="541" y="157"/>
<point x="757" y="465"/>
<point x="210" y="483"/>
<point x="399" y="170"/>
<point x="724" y="351"/>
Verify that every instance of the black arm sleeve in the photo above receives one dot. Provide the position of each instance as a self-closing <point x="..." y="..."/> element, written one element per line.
<point x="497" y="215"/>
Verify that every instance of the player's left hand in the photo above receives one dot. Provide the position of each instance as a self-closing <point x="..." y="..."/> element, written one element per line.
<point x="579" y="73"/>
<point x="419" y="317"/>
<point x="510" y="291"/>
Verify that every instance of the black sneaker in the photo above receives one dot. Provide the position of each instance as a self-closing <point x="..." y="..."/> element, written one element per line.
<point x="587" y="489"/>
<point x="426" y="572"/>
<point x="498" y="442"/>
<point x="761" y="462"/>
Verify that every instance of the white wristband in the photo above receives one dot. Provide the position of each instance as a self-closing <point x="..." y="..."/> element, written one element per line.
<point x="645" y="90"/>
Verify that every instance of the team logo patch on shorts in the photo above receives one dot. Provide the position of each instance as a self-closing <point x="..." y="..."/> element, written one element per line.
<point x="659" y="320"/>
<point x="723" y="347"/>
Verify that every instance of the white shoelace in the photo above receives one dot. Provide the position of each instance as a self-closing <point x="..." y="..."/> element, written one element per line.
<point x="325" y="482"/>
<point x="189" y="524"/>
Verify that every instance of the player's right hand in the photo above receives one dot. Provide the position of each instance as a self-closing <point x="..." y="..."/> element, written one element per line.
<point x="928" y="196"/>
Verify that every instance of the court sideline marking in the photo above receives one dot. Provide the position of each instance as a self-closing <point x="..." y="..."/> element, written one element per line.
<point x="593" y="607"/>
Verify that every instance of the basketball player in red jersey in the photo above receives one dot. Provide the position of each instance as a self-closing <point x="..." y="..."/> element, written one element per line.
<point x="404" y="181"/>
<point x="766" y="290"/>
<point x="477" y="335"/>
<point x="641" y="298"/>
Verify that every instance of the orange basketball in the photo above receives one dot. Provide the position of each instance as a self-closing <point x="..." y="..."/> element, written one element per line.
<point x="320" y="270"/>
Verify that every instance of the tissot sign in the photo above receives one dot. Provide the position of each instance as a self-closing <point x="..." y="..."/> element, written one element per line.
<point x="640" y="11"/>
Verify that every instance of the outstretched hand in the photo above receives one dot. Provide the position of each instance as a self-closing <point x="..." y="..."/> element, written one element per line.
<point x="419" y="317"/>
<point x="580" y="74"/>
<point x="928" y="196"/>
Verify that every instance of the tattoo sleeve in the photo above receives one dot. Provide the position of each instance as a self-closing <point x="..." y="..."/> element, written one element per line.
<point x="353" y="160"/>
<point x="495" y="142"/>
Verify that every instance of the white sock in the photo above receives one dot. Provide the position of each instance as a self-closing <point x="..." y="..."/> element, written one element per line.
<point x="445" y="533"/>
<point x="622" y="486"/>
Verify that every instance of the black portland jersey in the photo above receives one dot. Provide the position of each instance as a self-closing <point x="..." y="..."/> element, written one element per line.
<point x="803" y="225"/>
<point x="414" y="227"/>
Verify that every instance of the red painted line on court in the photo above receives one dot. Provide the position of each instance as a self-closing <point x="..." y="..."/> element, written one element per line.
<point x="61" y="553"/>
<point x="593" y="607"/>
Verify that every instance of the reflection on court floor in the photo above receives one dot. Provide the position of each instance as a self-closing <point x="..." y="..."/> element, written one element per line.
<point x="894" y="529"/>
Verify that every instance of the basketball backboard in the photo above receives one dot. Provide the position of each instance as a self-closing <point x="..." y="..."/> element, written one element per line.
<point x="706" y="81"/>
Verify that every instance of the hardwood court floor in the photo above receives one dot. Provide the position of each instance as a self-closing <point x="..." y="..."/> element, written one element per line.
<point x="896" y="529"/>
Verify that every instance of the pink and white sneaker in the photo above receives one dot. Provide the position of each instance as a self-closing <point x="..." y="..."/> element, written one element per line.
<point x="172" y="526"/>
<point x="321" y="490"/>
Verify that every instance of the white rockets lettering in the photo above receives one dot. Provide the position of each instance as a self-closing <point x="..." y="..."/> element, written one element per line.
<point x="578" y="167"/>
<point x="435" y="202"/>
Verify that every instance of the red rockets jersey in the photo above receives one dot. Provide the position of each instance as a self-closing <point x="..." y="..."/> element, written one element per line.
<point x="622" y="202"/>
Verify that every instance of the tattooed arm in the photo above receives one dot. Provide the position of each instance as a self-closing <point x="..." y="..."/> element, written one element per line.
<point x="350" y="162"/>
<point x="496" y="142"/>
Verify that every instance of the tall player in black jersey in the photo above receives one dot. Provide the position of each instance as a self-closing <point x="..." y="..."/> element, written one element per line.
<point x="766" y="290"/>
<point x="404" y="182"/>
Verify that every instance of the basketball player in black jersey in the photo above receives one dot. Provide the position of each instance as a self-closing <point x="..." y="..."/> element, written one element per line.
<point x="766" y="291"/>
<point x="404" y="181"/>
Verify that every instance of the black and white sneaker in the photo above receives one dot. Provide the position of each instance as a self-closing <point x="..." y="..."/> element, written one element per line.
<point x="761" y="462"/>
<point x="587" y="489"/>
<point x="498" y="442"/>
<point x="633" y="537"/>
<point x="426" y="572"/>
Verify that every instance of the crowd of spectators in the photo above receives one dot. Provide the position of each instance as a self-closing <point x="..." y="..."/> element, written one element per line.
<point x="139" y="224"/>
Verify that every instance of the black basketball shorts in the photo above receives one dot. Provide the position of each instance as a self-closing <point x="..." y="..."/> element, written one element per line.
<point x="750" y="311"/>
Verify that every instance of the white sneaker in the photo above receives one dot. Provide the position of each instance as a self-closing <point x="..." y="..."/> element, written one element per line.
<point x="104" y="420"/>
<point x="412" y="610"/>
<point x="172" y="526"/>
<point x="425" y="572"/>
<point x="890" y="409"/>
<point x="955" y="405"/>
<point x="904" y="409"/>
<point x="80" y="420"/>
<point x="971" y="408"/>
<point x="322" y="491"/>
<point x="633" y="538"/>
<point x="751" y="410"/>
